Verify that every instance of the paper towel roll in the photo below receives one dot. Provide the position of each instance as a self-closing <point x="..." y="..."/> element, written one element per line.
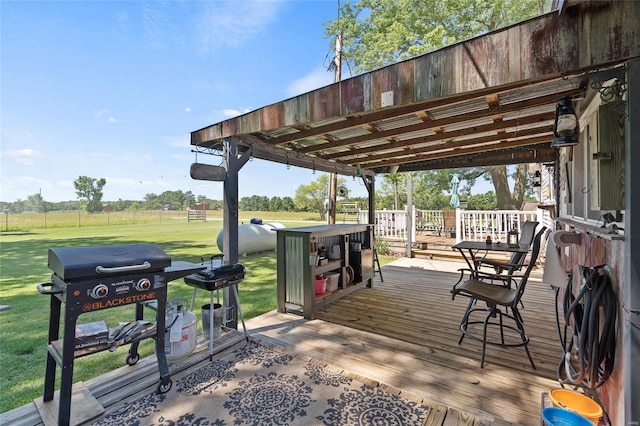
<point x="554" y="272"/>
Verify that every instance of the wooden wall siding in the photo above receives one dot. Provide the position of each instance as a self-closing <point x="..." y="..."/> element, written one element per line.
<point x="612" y="392"/>
<point x="247" y="120"/>
<point x="614" y="34"/>
<point x="325" y="103"/>
<point x="272" y="116"/>
<point x="296" y="110"/>
<point x="547" y="46"/>
<point x="550" y="46"/>
<point x="207" y="134"/>
<point x="355" y="96"/>
<point x="483" y="62"/>
<point x="610" y="171"/>
<point x="399" y="79"/>
<point x="594" y="251"/>
<point x="435" y="76"/>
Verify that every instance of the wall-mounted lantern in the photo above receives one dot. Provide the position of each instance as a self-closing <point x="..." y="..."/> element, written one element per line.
<point x="565" y="125"/>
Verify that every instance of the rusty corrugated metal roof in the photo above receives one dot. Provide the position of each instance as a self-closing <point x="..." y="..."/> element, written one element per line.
<point x="486" y="101"/>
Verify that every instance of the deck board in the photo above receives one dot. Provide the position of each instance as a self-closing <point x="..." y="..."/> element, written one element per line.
<point x="404" y="332"/>
<point x="401" y="334"/>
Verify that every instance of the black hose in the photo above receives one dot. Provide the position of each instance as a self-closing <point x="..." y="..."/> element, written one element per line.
<point x="596" y="339"/>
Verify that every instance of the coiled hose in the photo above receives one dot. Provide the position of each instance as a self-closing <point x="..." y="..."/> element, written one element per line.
<point x="592" y="314"/>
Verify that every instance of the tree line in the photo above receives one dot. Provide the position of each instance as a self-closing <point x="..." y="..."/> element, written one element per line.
<point x="431" y="191"/>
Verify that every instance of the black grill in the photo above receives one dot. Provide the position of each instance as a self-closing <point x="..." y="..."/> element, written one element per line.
<point x="87" y="279"/>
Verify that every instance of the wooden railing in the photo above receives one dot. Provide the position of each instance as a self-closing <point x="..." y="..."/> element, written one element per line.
<point x="476" y="225"/>
<point x="462" y="224"/>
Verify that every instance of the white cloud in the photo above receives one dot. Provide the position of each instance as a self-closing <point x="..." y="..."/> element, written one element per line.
<point x="187" y="109"/>
<point x="232" y="23"/>
<point x="229" y="113"/>
<point x="21" y="187"/>
<point x="99" y="113"/>
<point x="24" y="157"/>
<point x="103" y="112"/>
<point x="317" y="78"/>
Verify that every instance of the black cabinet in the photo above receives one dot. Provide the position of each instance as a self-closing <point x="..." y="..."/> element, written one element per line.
<point x="362" y="263"/>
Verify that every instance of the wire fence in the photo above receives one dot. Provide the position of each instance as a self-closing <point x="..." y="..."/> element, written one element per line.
<point x="78" y="219"/>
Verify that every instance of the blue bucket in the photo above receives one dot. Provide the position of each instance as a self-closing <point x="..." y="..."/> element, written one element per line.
<point x="554" y="416"/>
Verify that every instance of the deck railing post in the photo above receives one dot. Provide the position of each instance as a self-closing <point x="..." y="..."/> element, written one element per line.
<point x="414" y="215"/>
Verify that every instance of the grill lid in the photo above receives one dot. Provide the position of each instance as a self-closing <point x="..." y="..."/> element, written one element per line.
<point x="74" y="263"/>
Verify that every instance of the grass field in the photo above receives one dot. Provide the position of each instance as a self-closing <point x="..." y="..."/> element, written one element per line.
<point x="23" y="265"/>
<point x="82" y="219"/>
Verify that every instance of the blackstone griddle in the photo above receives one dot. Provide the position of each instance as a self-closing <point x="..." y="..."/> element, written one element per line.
<point x="88" y="279"/>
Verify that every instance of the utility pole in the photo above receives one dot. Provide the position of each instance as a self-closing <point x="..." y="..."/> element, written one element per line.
<point x="333" y="177"/>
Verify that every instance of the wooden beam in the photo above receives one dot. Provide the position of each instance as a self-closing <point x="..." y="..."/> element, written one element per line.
<point x="537" y="153"/>
<point x="408" y="143"/>
<point x="512" y="107"/>
<point x="439" y="153"/>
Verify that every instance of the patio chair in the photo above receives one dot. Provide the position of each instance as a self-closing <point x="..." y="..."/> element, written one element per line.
<point x="516" y="261"/>
<point x="496" y="298"/>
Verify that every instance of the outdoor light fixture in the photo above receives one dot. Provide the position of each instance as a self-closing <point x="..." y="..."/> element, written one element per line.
<point x="565" y="125"/>
<point x="537" y="179"/>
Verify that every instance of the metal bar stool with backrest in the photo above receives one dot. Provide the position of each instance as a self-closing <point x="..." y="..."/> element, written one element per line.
<point x="516" y="261"/>
<point x="495" y="297"/>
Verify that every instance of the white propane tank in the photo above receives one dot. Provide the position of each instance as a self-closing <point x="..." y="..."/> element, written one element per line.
<point x="181" y="336"/>
<point x="254" y="237"/>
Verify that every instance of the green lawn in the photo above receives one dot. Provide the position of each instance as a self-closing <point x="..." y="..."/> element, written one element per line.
<point x="23" y="265"/>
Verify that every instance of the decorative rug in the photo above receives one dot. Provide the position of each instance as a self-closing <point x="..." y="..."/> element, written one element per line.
<point x="259" y="385"/>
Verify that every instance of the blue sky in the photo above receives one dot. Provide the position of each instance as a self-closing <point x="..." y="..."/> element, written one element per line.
<point x="113" y="89"/>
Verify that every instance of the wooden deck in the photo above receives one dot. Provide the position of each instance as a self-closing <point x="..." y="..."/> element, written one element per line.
<point x="402" y="333"/>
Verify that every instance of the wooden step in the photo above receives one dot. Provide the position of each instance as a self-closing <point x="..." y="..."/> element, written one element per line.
<point x="435" y="253"/>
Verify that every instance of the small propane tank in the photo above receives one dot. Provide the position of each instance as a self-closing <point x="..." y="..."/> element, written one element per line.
<point x="181" y="331"/>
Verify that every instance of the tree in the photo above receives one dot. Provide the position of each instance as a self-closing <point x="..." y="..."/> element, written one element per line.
<point x="394" y="185"/>
<point x="311" y="197"/>
<point x="89" y="191"/>
<point x="380" y="32"/>
<point x="507" y="200"/>
<point x="152" y="202"/>
<point x="171" y="200"/>
<point x="35" y="203"/>
<point x="288" y="205"/>
<point x="254" y="203"/>
<point x="486" y="201"/>
<point x="275" y="204"/>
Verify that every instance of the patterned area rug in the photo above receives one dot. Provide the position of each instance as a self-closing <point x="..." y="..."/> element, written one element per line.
<point x="258" y="385"/>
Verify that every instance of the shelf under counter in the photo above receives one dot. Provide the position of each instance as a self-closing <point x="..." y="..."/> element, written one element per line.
<point x="328" y="267"/>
